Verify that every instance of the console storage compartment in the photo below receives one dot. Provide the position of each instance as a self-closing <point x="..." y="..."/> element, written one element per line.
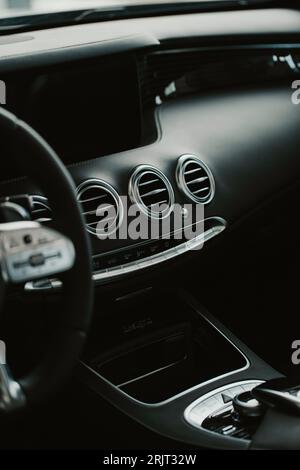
<point x="164" y="353"/>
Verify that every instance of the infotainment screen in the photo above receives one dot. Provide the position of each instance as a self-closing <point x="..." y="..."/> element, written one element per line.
<point x="85" y="109"/>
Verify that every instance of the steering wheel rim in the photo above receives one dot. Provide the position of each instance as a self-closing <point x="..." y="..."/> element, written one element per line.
<point x="43" y="166"/>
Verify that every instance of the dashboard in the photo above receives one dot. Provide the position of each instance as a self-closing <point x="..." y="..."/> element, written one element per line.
<point x="189" y="118"/>
<point x="208" y="93"/>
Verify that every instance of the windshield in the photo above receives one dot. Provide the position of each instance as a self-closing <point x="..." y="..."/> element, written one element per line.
<point x="24" y="15"/>
<point x="14" y="7"/>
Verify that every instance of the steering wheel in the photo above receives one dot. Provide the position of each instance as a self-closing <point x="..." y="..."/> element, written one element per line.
<point x="29" y="250"/>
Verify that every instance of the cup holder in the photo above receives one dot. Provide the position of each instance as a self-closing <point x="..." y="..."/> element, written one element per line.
<point x="157" y="366"/>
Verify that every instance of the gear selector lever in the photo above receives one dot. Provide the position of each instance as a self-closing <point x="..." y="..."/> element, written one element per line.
<point x="280" y="425"/>
<point x="247" y="407"/>
<point x="280" y="394"/>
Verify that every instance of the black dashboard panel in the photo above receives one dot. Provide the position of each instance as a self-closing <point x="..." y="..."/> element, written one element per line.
<point x="67" y="43"/>
<point x="217" y="86"/>
<point x="249" y="138"/>
<point x="247" y="133"/>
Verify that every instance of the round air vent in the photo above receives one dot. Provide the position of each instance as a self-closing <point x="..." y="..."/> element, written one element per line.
<point x="40" y="209"/>
<point x="151" y="190"/>
<point x="195" y="179"/>
<point x="101" y="207"/>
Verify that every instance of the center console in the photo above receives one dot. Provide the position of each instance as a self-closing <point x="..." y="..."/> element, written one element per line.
<point x="166" y="359"/>
<point x="161" y="358"/>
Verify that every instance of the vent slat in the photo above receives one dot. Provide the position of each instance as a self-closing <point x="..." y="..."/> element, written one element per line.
<point x="201" y="190"/>
<point x="154" y="192"/>
<point x="159" y="203"/>
<point x="89" y="212"/>
<point x="36" y="211"/>
<point x="192" y="171"/>
<point x="198" y="180"/>
<point x="105" y="208"/>
<point x="82" y="201"/>
<point x="98" y="210"/>
<point x="149" y="182"/>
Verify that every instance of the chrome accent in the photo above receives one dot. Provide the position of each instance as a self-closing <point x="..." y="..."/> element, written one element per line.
<point x="104" y="186"/>
<point x="150" y="261"/>
<point x="149" y="374"/>
<point x="183" y="185"/>
<point x="212" y="402"/>
<point x="137" y="198"/>
<point x="11" y="394"/>
<point x="41" y="203"/>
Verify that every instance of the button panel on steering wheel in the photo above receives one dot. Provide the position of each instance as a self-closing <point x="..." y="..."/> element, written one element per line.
<point x="29" y="251"/>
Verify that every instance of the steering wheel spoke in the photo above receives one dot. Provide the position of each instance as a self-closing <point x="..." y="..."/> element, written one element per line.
<point x="29" y="250"/>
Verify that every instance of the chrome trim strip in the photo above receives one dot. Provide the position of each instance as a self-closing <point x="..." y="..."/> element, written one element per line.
<point x="148" y="374"/>
<point x="161" y="257"/>
<point x="143" y="263"/>
<point x="183" y="161"/>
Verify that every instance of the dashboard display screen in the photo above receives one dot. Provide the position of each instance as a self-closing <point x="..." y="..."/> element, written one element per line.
<point x="85" y="109"/>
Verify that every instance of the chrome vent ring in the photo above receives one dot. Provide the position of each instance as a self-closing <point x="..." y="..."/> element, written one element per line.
<point x="151" y="191"/>
<point x="101" y="207"/>
<point x="195" y="179"/>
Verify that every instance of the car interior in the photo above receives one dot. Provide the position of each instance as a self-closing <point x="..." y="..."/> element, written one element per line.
<point x="162" y="342"/>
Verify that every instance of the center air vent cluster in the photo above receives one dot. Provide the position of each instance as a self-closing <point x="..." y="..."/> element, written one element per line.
<point x="101" y="207"/>
<point x="195" y="179"/>
<point x="151" y="190"/>
<point x="148" y="188"/>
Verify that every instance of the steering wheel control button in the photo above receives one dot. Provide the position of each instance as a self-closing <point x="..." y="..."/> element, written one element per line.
<point x="28" y="261"/>
<point x="215" y="410"/>
<point x="13" y="243"/>
<point x="27" y="239"/>
<point x="37" y="260"/>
